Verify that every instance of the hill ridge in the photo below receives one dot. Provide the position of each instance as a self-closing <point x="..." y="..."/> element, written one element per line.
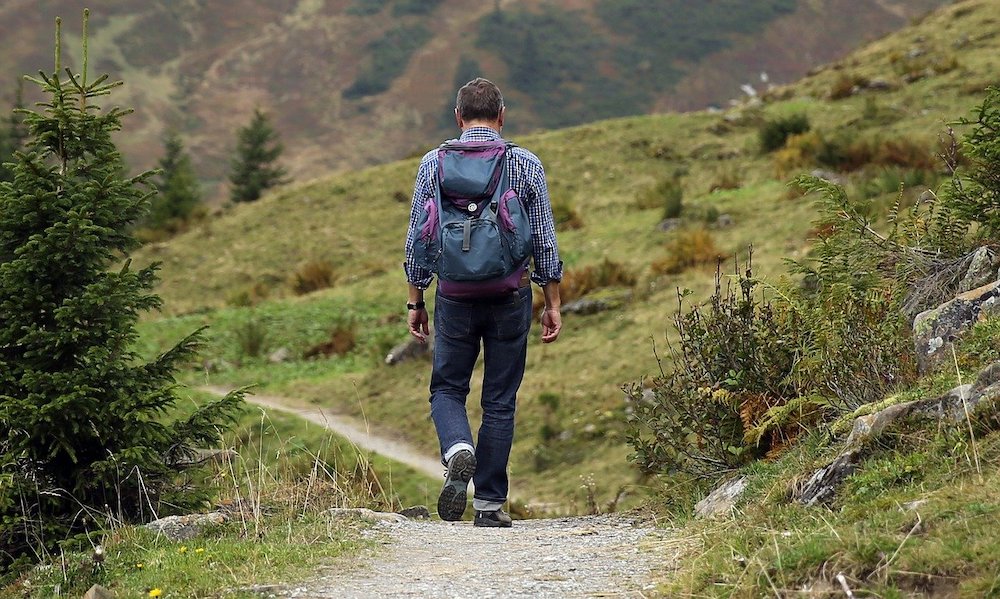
<point x="184" y="62"/>
<point x="236" y="272"/>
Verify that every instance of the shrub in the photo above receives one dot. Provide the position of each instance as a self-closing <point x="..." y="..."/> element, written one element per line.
<point x="799" y="151"/>
<point x="845" y="152"/>
<point x="712" y="215"/>
<point x="975" y="191"/>
<point x="251" y="338"/>
<point x="342" y="339"/>
<point x="578" y="282"/>
<point x="604" y="274"/>
<point x="846" y="85"/>
<point x="903" y="152"/>
<point x="773" y="134"/>
<point x="667" y="193"/>
<point x="732" y="365"/>
<point x="313" y="276"/>
<point x="249" y="296"/>
<point x="921" y="65"/>
<point x="692" y="246"/>
<point x="748" y="374"/>
<point x="892" y="180"/>
<point x="725" y="180"/>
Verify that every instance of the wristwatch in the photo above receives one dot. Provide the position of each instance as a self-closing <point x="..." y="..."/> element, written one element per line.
<point x="417" y="306"/>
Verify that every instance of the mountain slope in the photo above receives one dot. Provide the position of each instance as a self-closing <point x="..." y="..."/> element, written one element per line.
<point x="572" y="417"/>
<point x="357" y="82"/>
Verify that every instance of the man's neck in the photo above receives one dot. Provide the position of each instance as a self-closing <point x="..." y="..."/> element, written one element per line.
<point x="487" y="124"/>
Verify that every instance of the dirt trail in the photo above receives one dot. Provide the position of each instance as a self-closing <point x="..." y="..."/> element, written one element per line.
<point x="588" y="556"/>
<point x="353" y="430"/>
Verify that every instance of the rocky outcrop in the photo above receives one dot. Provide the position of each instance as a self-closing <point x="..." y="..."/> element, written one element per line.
<point x="280" y="356"/>
<point x="935" y="330"/>
<point x="361" y="513"/>
<point x="99" y="592"/>
<point x="953" y="407"/>
<point x="822" y="485"/>
<point x="721" y="501"/>
<point x="416" y="512"/>
<point x="410" y="349"/>
<point x="182" y="528"/>
<point x="601" y="301"/>
<point x="982" y="270"/>
<point x="872" y="425"/>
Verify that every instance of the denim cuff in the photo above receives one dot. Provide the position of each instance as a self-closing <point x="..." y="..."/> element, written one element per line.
<point x="483" y="505"/>
<point x="457" y="447"/>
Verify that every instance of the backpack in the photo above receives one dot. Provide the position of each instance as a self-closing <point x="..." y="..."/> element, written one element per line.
<point x="474" y="233"/>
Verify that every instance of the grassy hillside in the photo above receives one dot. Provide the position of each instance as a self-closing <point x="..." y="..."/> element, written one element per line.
<point x="352" y="83"/>
<point x="236" y="273"/>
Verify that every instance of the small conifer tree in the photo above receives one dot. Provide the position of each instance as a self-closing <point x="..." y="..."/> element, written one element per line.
<point x="178" y="187"/>
<point x="11" y="136"/>
<point x="255" y="168"/>
<point x="86" y="427"/>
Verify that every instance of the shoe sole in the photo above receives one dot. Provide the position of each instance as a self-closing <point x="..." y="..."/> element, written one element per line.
<point x="454" y="493"/>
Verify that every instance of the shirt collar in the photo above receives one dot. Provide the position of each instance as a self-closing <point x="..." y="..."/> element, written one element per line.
<point x="479" y="134"/>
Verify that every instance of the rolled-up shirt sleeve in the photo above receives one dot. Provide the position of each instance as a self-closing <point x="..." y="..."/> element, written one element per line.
<point x="548" y="266"/>
<point x="422" y="192"/>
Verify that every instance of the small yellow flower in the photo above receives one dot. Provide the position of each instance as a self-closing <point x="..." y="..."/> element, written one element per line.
<point x="183" y="549"/>
<point x="155" y="593"/>
<point x="200" y="550"/>
<point x="139" y="566"/>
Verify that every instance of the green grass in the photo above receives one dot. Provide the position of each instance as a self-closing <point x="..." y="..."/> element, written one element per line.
<point x="223" y="562"/>
<point x="356" y="221"/>
<point x="290" y="449"/>
<point x="288" y="473"/>
<point x="874" y="535"/>
<point x="914" y="520"/>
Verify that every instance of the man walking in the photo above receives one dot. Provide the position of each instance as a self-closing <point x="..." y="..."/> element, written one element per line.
<point x="498" y="323"/>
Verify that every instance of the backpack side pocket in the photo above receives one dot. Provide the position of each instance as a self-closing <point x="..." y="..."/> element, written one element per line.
<point x="514" y="221"/>
<point x="426" y="247"/>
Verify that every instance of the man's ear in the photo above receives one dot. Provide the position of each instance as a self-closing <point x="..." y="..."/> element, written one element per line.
<point x="503" y="112"/>
<point x="458" y="119"/>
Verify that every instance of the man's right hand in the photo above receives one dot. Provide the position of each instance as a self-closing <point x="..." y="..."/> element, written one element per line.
<point x="551" y="319"/>
<point x="551" y="324"/>
<point x="419" y="324"/>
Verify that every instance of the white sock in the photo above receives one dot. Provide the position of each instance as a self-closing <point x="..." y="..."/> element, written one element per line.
<point x="457" y="447"/>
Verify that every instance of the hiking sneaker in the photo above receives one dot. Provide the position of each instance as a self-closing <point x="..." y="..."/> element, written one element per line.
<point x="451" y="502"/>
<point x="493" y="519"/>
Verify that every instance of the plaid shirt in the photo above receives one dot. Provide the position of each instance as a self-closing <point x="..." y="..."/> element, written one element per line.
<point x="527" y="178"/>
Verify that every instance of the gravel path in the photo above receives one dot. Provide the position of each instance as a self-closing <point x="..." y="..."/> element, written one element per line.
<point x="355" y="431"/>
<point x="602" y="556"/>
<point x="588" y="556"/>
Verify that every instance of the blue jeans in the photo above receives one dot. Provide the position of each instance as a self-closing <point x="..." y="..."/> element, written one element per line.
<point x="501" y="326"/>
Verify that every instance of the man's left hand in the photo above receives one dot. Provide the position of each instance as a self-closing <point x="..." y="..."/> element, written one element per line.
<point x="551" y="324"/>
